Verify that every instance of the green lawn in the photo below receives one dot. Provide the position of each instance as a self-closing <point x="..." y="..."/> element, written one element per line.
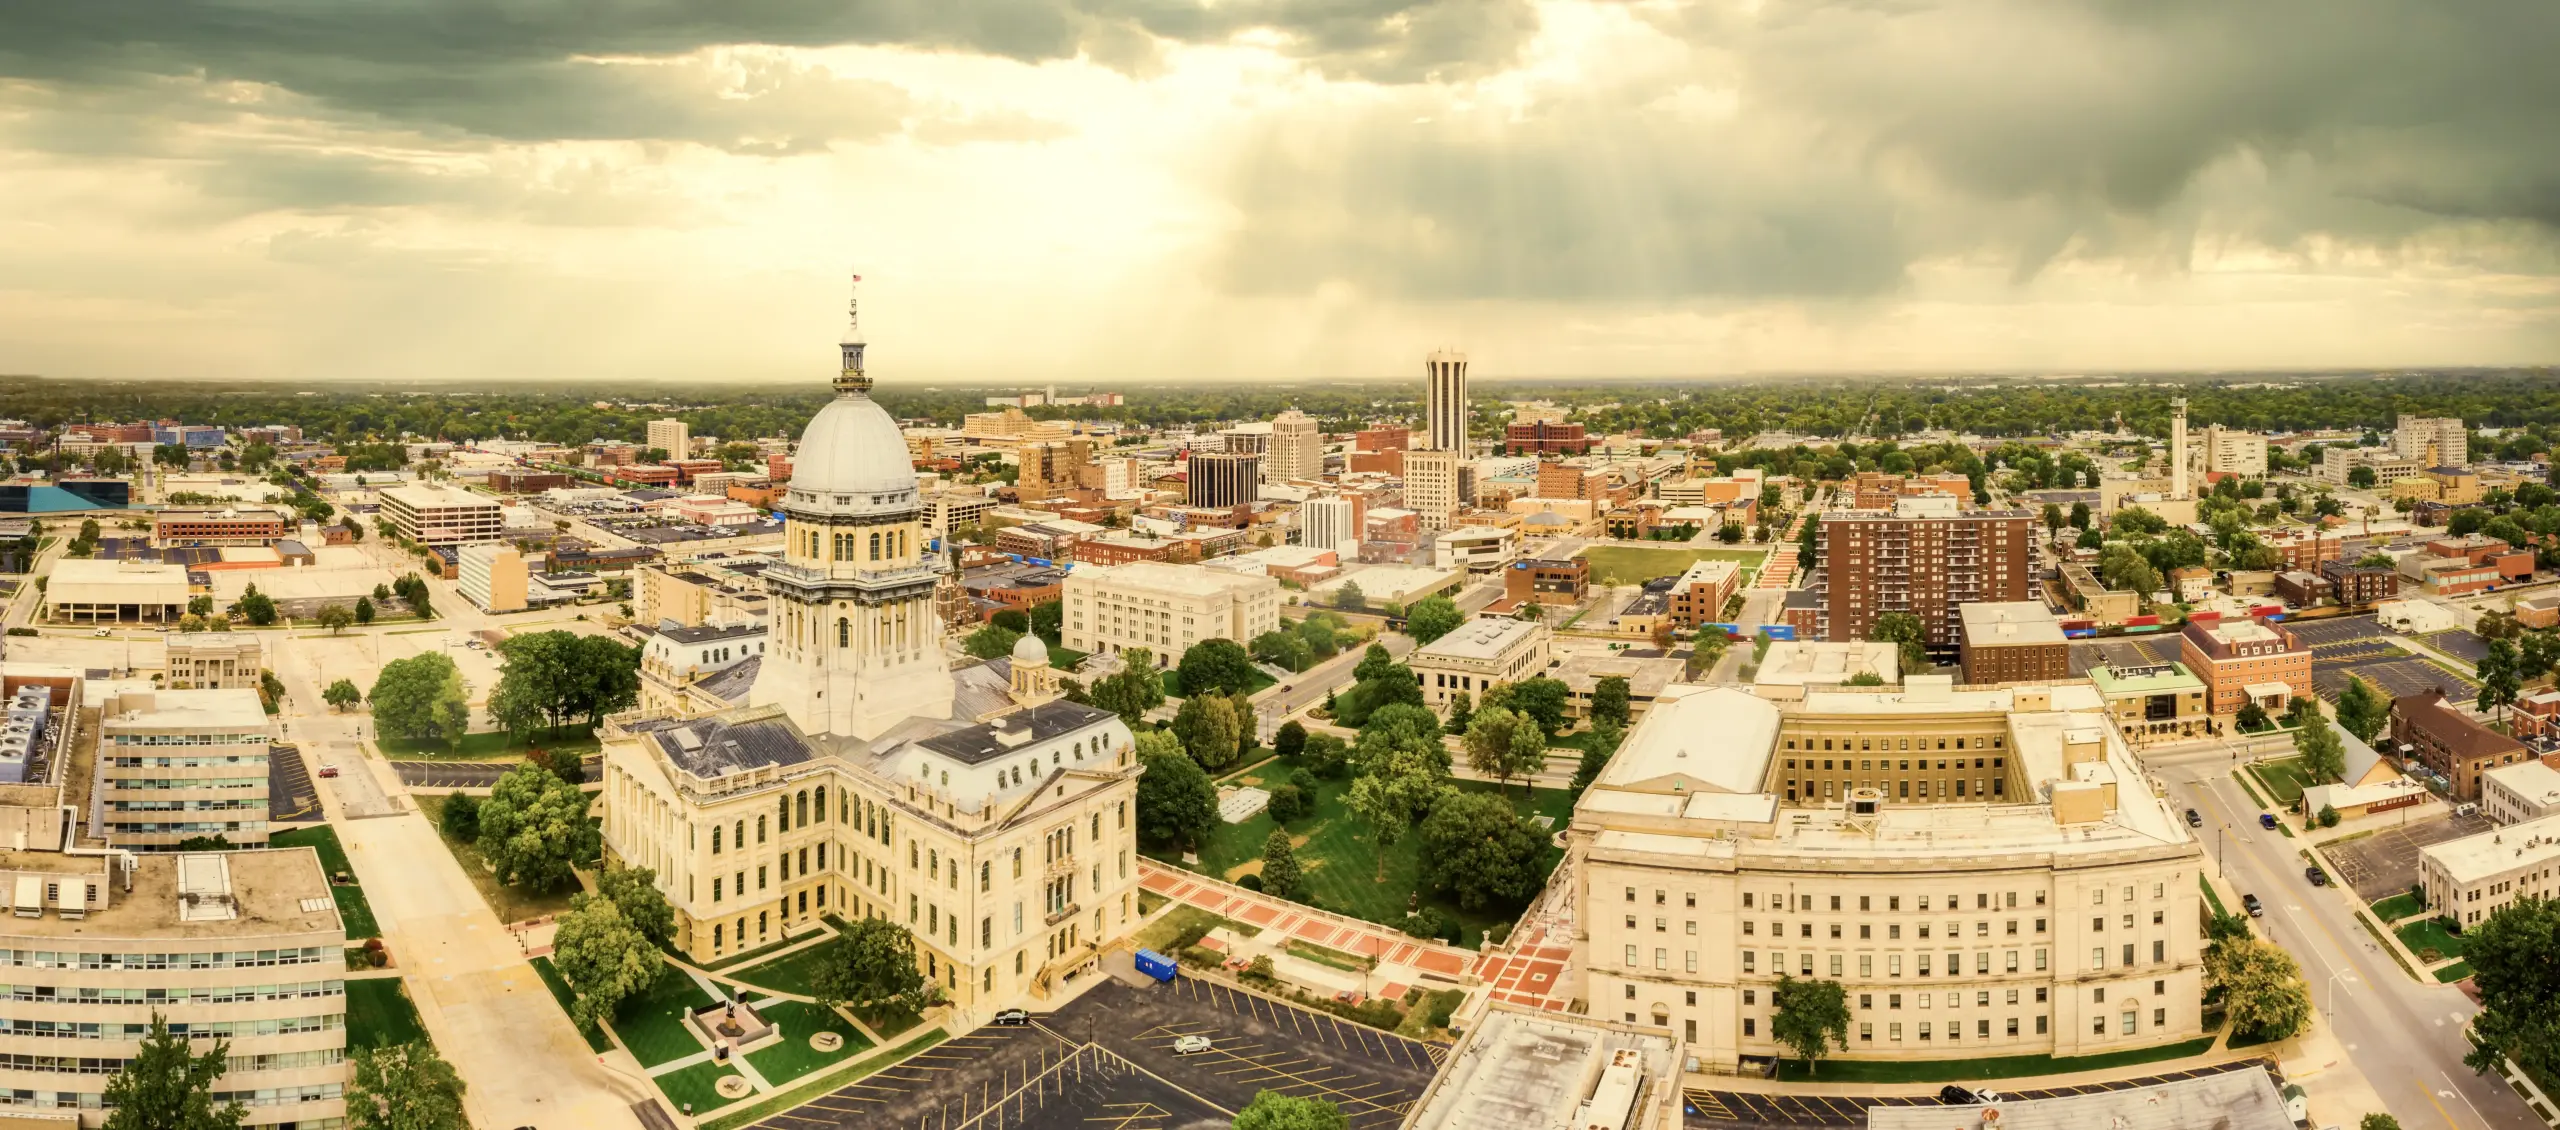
<point x="352" y="907"/>
<point x="1629" y="565"/>
<point x="787" y="974"/>
<point x="2428" y="934"/>
<point x="2283" y="779"/>
<point x="1964" y="1070"/>
<point x="2399" y="906"/>
<point x="793" y="1057"/>
<point x="1172" y="680"/>
<point x="491" y="746"/>
<point x="2209" y="895"/>
<point x="697" y="1085"/>
<point x="1159" y="935"/>
<point x="512" y="903"/>
<point x="652" y="1023"/>
<point x="597" y="1041"/>
<point x="890" y="1020"/>
<point x="1342" y="863"/>
<point x="2454" y="972"/>
<point x="1065" y="658"/>
<point x="818" y="1085"/>
<point x="380" y="1014"/>
<point x="1326" y="955"/>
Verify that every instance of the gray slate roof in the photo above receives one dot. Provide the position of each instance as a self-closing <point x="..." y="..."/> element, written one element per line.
<point x="710" y="747"/>
<point x="977" y="745"/>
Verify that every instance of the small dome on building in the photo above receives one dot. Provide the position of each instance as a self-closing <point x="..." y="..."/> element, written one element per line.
<point x="1030" y="651"/>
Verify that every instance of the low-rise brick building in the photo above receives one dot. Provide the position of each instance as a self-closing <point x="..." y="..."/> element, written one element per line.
<point x="2426" y="728"/>
<point x="2244" y="661"/>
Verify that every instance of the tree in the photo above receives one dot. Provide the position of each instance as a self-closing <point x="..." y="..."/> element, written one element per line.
<point x="364" y="610"/>
<point x="2252" y="717"/>
<point x="1477" y="850"/>
<point x="1282" y="649"/>
<point x="1281" y="876"/>
<point x="2360" y="477"/>
<point x="404" y="1087"/>
<point x="1609" y="701"/>
<point x="2519" y="987"/>
<point x="200" y="606"/>
<point x="1290" y="740"/>
<point x="1729" y="533"/>
<point x="2324" y="756"/>
<point x="342" y="694"/>
<point x="1431" y="618"/>
<point x="1904" y="630"/>
<point x="2089" y="539"/>
<point x="1401" y="733"/>
<point x="635" y="890"/>
<point x="1177" y="804"/>
<point x="2052" y="517"/>
<point x="1271" y="1110"/>
<point x="1504" y="745"/>
<point x="1215" y="666"/>
<point x="1545" y="700"/>
<point x="2262" y="990"/>
<point x="336" y="618"/>
<point x="1012" y="620"/>
<point x="2466" y="521"/>
<point x="992" y="642"/>
<point x="1379" y="803"/>
<point x="1133" y="690"/>
<point x="2501" y="675"/>
<point x="257" y="607"/>
<point x="166" y="1087"/>
<point x="534" y="829"/>
<point x="1391" y="684"/>
<point x="1349" y="597"/>
<point x="2361" y="711"/>
<point x="214" y="842"/>
<point x="1212" y="728"/>
<point x="1462" y="712"/>
<point x="1595" y="756"/>
<point x="1812" y="1018"/>
<point x="1327" y="756"/>
<point x="2327" y="816"/>
<point x="461" y="821"/>
<point x="873" y="960"/>
<point x="603" y="956"/>
<point x="2080" y="515"/>
<point x="2378" y="1121"/>
<point x="420" y="698"/>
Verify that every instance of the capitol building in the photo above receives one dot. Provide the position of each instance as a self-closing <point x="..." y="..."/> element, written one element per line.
<point x="867" y="775"/>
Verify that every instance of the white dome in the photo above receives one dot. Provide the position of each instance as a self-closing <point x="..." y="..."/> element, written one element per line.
<point x="1031" y="652"/>
<point x="850" y="455"/>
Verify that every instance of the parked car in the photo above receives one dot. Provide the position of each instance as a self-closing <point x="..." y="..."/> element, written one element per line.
<point x="2267" y="820"/>
<point x="2195" y="819"/>
<point x="2251" y="904"/>
<point x="1953" y="1095"/>
<point x="2318" y="877"/>
<point x="1192" y="1045"/>
<point x="1012" y="1017"/>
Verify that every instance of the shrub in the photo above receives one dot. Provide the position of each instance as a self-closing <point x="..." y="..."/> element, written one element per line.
<point x="1203" y="958"/>
<point x="1500" y="933"/>
<point x="1190" y="936"/>
<point x="376" y="958"/>
<point x="1442" y="1005"/>
<point x="1250" y="882"/>
<point x="1429" y="922"/>
<point x="1288" y="803"/>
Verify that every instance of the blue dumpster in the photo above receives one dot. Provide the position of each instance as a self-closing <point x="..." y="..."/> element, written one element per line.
<point x="1157" y="965"/>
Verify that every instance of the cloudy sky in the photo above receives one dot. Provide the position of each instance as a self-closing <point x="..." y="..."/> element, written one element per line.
<point x="1101" y="190"/>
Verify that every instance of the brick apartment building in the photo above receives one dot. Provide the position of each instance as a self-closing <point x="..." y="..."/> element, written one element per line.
<point x="1699" y="596"/>
<point x="2352" y="585"/>
<point x="2425" y="727"/>
<point x="2244" y="661"/>
<point x="1925" y="557"/>
<point x="231" y="526"/>
<point x="1536" y="580"/>
<point x="1544" y="438"/>
<point x="2013" y="642"/>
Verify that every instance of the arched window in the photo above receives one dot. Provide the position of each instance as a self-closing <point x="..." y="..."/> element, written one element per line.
<point x="715" y="937"/>
<point x="760" y="827"/>
<point x="802" y="804"/>
<point x="715" y="841"/>
<point x="875" y="547"/>
<point x="739" y="836"/>
<point x="844" y="632"/>
<point x="782" y="817"/>
<point x="820" y="797"/>
<point x="761" y="916"/>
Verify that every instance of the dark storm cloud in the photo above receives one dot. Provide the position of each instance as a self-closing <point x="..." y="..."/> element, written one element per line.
<point x="1865" y="136"/>
<point x="525" y="70"/>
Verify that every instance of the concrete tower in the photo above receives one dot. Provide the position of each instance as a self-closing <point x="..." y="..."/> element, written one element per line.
<point x="2178" y="448"/>
<point x="1445" y="402"/>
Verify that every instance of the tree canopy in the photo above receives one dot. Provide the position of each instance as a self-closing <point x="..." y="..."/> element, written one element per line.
<point x="552" y="677"/>
<point x="873" y="960"/>
<point x="2519" y="986"/>
<point x="1811" y="1020"/>
<point x="1215" y="666"/>
<point x="1475" y="849"/>
<point x="167" y="1086"/>
<point x="1431" y="618"/>
<point x="534" y="829"/>
<point x="603" y="956"/>
<point x="1177" y="804"/>
<point x="1131" y="691"/>
<point x="1271" y="1110"/>
<point x="404" y="1087"/>
<point x="420" y="697"/>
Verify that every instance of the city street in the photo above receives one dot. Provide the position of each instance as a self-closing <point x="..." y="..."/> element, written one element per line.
<point x="2405" y="1037"/>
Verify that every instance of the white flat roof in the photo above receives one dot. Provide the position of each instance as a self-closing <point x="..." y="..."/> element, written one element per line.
<point x="1480" y="639"/>
<point x="2532" y="780"/>
<point x="1798" y="662"/>
<point x="1712" y="738"/>
<point x="2498" y="851"/>
<point x="2010" y="622"/>
<point x="2232" y="1100"/>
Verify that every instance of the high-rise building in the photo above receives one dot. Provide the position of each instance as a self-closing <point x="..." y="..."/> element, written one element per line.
<point x="672" y="437"/>
<point x="1445" y="402"/>
<point x="1332" y="522"/>
<point x="1924" y="557"/>
<point x="179" y="764"/>
<point x="438" y="515"/>
<point x="1050" y="467"/>
<point x="2233" y="451"/>
<point x="1219" y="478"/>
<point x="1245" y="439"/>
<point x="2432" y="441"/>
<point x="2178" y="448"/>
<point x="1431" y="487"/>
<point x="1297" y="447"/>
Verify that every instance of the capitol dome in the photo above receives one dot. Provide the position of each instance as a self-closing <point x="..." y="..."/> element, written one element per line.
<point x="852" y="458"/>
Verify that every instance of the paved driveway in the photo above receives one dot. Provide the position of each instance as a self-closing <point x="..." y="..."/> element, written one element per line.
<point x="1258" y="1045"/>
<point x="468" y="774"/>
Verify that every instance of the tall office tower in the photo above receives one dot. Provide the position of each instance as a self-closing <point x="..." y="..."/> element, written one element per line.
<point x="1332" y="522"/>
<point x="1445" y="402"/>
<point x="1926" y="560"/>
<point x="1218" y="478"/>
<point x="2434" y="441"/>
<point x="1431" y="487"/>
<point x="1245" y="439"/>
<point x="673" y="436"/>
<point x="2178" y="448"/>
<point x="1297" y="448"/>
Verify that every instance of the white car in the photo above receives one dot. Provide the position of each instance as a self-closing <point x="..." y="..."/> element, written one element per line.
<point x="1192" y="1045"/>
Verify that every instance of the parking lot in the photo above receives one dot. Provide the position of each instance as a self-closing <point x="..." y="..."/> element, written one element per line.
<point x="2386" y="863"/>
<point x="1257" y="1044"/>
<point x="467" y="774"/>
<point x="1753" y="1110"/>
<point x="2335" y="632"/>
<point x="2395" y="673"/>
<point x="2460" y="644"/>
<point x="1105" y="1061"/>
<point x="290" y="796"/>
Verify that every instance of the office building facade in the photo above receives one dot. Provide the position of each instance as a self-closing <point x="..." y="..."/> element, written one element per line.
<point x="1431" y="488"/>
<point x="1218" y="478"/>
<point x="1929" y="561"/>
<point x="1445" y="402"/>
<point x="1297" y="448"/>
